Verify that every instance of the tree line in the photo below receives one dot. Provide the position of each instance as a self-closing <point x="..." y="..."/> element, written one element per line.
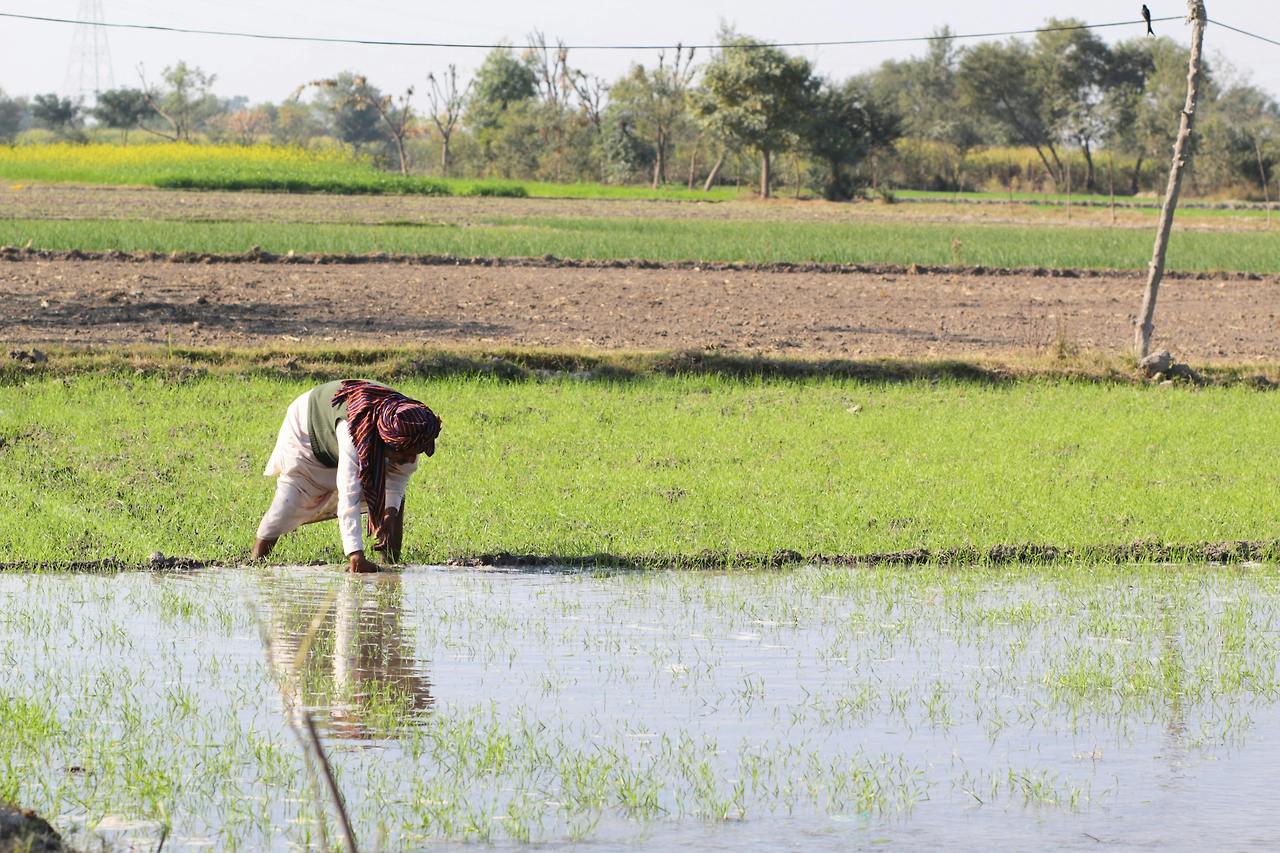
<point x="1063" y="110"/>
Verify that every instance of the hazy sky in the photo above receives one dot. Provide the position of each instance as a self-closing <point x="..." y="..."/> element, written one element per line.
<point x="36" y="56"/>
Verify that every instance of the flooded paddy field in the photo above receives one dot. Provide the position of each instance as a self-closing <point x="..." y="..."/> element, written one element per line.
<point x="820" y="708"/>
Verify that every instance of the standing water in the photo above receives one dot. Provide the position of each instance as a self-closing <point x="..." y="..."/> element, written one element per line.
<point x="819" y="708"/>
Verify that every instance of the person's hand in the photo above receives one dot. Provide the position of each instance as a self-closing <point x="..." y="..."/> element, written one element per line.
<point x="392" y="535"/>
<point x="360" y="564"/>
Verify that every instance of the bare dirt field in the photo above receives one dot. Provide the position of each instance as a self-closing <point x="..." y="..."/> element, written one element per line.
<point x="834" y="314"/>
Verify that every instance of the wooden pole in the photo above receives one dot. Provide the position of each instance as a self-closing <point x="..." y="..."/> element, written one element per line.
<point x="1067" y="202"/>
<point x="1142" y="334"/>
<point x="1111" y="183"/>
<point x="1262" y="171"/>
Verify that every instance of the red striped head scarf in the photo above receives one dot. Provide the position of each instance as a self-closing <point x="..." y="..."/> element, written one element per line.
<point x="381" y="419"/>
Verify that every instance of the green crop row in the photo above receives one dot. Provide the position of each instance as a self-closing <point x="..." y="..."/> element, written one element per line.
<point x="679" y="240"/>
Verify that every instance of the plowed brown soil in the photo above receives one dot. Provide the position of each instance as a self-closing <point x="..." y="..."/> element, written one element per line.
<point x="836" y="314"/>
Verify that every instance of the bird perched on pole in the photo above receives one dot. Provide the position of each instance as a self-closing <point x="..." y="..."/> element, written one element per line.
<point x="1146" y="16"/>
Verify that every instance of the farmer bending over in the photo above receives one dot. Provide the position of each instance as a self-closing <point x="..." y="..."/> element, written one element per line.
<point x="346" y="447"/>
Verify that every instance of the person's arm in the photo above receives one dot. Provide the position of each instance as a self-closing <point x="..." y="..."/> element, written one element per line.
<point x="349" y="494"/>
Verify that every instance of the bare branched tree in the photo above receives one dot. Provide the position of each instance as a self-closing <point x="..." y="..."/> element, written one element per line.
<point x="591" y="92"/>
<point x="554" y="81"/>
<point x="186" y="100"/>
<point x="550" y="66"/>
<point x="152" y="96"/>
<point x="670" y="105"/>
<point x="447" y="102"/>
<point x="245" y="126"/>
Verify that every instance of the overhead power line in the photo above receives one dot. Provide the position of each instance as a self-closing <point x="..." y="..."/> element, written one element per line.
<point x="1244" y="32"/>
<point x="630" y="47"/>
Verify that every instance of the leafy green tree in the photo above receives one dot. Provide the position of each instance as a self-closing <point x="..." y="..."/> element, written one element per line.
<point x="1123" y="102"/>
<point x="347" y="99"/>
<point x="1165" y="94"/>
<point x="656" y="104"/>
<point x="516" y="146"/>
<point x="293" y="123"/>
<point x="61" y="115"/>
<point x="122" y="109"/>
<point x="923" y="93"/>
<point x="1000" y="82"/>
<point x="626" y="152"/>
<point x="1145" y="91"/>
<point x="757" y="96"/>
<point x="844" y="126"/>
<point x="502" y="80"/>
<point x="1246" y="127"/>
<point x="1071" y="67"/>
<point x="13" y="111"/>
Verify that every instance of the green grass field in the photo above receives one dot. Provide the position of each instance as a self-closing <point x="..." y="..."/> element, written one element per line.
<point x="678" y="240"/>
<point x="115" y="465"/>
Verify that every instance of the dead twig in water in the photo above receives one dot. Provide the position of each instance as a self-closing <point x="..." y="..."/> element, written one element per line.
<point x="303" y="726"/>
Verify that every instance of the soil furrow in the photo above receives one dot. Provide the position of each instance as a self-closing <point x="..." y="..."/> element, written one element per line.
<point x="79" y="299"/>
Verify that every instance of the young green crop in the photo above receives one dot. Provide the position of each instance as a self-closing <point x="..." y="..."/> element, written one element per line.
<point x="678" y="240"/>
<point x="113" y="466"/>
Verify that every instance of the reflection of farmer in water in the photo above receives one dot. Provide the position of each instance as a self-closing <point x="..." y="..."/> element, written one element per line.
<point x="360" y="671"/>
<point x="347" y="447"/>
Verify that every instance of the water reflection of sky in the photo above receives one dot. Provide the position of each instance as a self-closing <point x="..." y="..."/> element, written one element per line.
<point x="468" y="696"/>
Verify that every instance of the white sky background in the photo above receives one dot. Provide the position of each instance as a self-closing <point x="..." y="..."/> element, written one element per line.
<point x="34" y="57"/>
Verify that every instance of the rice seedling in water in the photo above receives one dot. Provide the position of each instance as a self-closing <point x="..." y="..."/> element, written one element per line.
<point x="923" y="706"/>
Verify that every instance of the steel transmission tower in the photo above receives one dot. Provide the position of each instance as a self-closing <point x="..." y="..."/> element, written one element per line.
<point x="89" y="64"/>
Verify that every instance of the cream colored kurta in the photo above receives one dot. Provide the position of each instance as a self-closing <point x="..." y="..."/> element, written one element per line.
<point x="307" y="491"/>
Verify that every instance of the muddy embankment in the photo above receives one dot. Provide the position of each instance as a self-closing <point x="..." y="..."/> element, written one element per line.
<point x="1031" y="554"/>
<point x="23" y="831"/>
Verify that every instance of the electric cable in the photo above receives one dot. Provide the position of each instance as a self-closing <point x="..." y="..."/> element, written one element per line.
<point x="621" y="47"/>
<point x="1243" y="32"/>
